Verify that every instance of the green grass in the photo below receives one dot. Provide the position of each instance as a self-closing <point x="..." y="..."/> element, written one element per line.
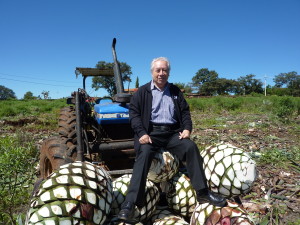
<point x="280" y="157"/>
<point x="282" y="107"/>
<point x="18" y="108"/>
<point x="30" y="114"/>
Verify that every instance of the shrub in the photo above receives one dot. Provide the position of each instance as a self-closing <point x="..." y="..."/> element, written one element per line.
<point x="284" y="108"/>
<point x="7" y="110"/>
<point x="17" y="174"/>
<point x="196" y="104"/>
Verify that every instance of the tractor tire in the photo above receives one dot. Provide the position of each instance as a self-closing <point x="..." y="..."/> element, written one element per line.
<point x="67" y="123"/>
<point x="55" y="152"/>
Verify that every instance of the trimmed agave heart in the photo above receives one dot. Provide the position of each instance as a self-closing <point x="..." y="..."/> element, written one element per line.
<point x="181" y="196"/>
<point x="77" y="193"/>
<point x="233" y="214"/>
<point x="163" y="167"/>
<point x="123" y="223"/>
<point x="165" y="216"/>
<point x="120" y="187"/>
<point x="229" y="170"/>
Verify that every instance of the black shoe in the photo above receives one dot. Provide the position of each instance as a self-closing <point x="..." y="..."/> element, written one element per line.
<point x="126" y="212"/>
<point x="206" y="196"/>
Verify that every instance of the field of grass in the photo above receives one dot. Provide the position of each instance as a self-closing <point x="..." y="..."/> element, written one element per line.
<point x="19" y="108"/>
<point x="266" y="127"/>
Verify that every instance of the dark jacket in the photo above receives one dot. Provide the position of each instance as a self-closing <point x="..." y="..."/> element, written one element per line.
<point x="140" y="111"/>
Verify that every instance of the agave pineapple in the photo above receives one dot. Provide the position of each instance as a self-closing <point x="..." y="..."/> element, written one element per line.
<point x="229" y="170"/>
<point x="206" y="214"/>
<point x="77" y="193"/>
<point x="124" y="223"/>
<point x="164" y="216"/>
<point x="163" y="167"/>
<point x="82" y="193"/>
<point x="120" y="187"/>
<point x="181" y="196"/>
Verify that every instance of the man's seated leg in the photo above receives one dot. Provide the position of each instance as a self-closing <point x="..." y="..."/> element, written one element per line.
<point x="136" y="189"/>
<point x="188" y="151"/>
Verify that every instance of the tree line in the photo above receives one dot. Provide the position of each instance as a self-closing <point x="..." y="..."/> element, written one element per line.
<point x="7" y="93"/>
<point x="208" y="83"/>
<point x="205" y="82"/>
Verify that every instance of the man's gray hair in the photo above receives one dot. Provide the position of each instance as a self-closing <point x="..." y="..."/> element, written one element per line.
<point x="160" y="59"/>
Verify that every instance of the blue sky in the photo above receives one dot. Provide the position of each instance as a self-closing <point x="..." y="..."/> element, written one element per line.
<point x="42" y="42"/>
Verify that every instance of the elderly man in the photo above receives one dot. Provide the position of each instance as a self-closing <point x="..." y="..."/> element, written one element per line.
<point x="160" y="117"/>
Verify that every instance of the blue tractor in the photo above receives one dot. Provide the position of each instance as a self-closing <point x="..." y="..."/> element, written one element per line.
<point x="96" y="130"/>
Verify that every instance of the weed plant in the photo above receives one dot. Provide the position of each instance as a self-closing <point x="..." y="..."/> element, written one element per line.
<point x="279" y="157"/>
<point x="18" y="155"/>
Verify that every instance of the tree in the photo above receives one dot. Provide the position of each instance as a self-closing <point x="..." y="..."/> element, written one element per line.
<point x="226" y="86"/>
<point x="137" y="84"/>
<point x="186" y="87"/>
<point x="205" y="81"/>
<point x="6" y="93"/>
<point x="128" y="79"/>
<point x="108" y="83"/>
<point x="46" y="94"/>
<point x="249" y="84"/>
<point x="180" y="85"/>
<point x="290" y="80"/>
<point x="286" y="79"/>
<point x="29" y="96"/>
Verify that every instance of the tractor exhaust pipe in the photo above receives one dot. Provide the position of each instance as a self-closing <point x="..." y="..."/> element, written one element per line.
<point x="121" y="96"/>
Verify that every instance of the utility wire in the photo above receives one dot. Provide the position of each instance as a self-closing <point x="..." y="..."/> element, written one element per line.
<point x="6" y="74"/>
<point x="31" y="82"/>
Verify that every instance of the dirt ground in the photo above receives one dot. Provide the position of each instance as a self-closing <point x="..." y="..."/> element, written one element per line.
<point x="275" y="196"/>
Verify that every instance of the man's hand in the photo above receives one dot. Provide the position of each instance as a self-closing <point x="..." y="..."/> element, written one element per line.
<point x="145" y="139"/>
<point x="184" y="134"/>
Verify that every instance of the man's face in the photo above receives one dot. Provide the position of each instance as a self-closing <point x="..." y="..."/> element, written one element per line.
<point x="160" y="73"/>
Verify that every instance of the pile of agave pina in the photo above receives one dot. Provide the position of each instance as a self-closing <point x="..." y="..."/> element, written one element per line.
<point x="81" y="193"/>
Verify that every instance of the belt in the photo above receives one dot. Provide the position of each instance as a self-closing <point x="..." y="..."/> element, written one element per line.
<point x="165" y="127"/>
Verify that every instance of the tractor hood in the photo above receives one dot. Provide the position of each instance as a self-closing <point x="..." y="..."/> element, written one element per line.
<point x="108" y="112"/>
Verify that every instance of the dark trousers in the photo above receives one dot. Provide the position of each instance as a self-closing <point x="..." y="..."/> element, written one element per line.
<point x="185" y="149"/>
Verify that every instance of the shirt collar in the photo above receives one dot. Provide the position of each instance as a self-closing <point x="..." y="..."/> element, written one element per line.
<point x="152" y="86"/>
